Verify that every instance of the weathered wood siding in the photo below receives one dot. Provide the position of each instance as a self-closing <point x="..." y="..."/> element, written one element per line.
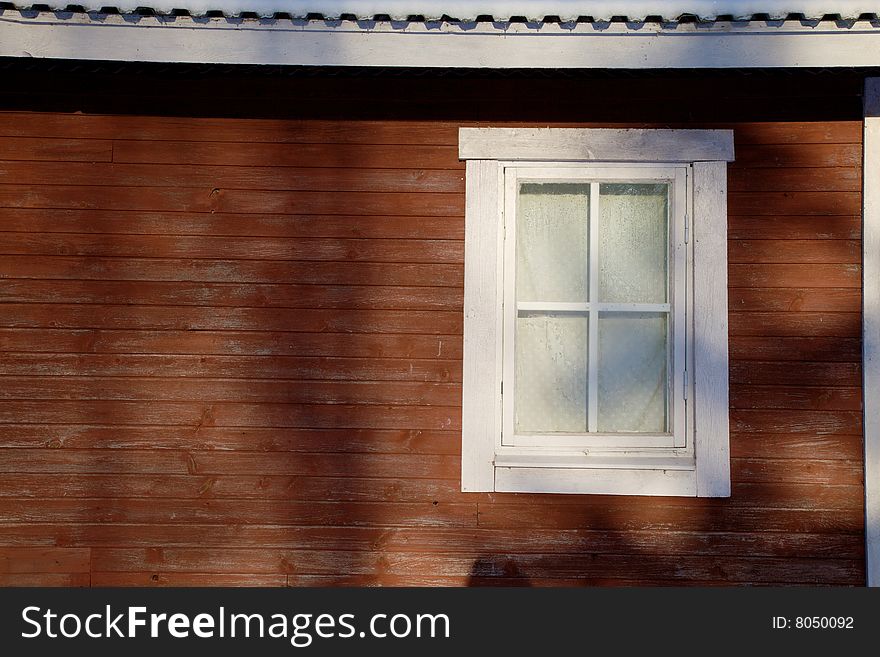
<point x="231" y="355"/>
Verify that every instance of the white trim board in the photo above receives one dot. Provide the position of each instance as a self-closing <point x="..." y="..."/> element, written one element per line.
<point x="871" y="328"/>
<point x="499" y="9"/>
<point x="184" y="39"/>
<point x="595" y="144"/>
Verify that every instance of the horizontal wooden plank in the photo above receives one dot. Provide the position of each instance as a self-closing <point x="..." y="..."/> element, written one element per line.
<point x="311" y="179"/>
<point x="448" y="539"/>
<point x="799" y="155"/>
<point x="787" y="483"/>
<point x="796" y="445"/>
<point x="189" y="318"/>
<point x="794" y="203"/>
<point x="818" y="374"/>
<point x="795" y="251"/>
<point x="43" y="560"/>
<point x="165" y="128"/>
<point x="207" y="199"/>
<point x="208" y="579"/>
<point x="232" y="486"/>
<point x="221" y="295"/>
<point x="819" y="179"/>
<point x="796" y="227"/>
<point x="744" y="348"/>
<point x="46" y="579"/>
<point x="245" y="512"/>
<point x="222" y="463"/>
<point x="571" y="565"/>
<point x="654" y="517"/>
<point x="306" y="272"/>
<point x="328" y="155"/>
<point x="240" y="343"/>
<point x="764" y="494"/>
<point x="196" y="414"/>
<point x="186" y="199"/>
<point x="257" y="367"/>
<point x="41" y="220"/>
<point x="801" y="299"/>
<point x="799" y="133"/>
<point x="797" y="495"/>
<point x="94" y="461"/>
<point x="811" y="471"/>
<point x="43" y="148"/>
<point x="380" y="580"/>
<point x="794" y="275"/>
<point x="414" y="203"/>
<point x="234" y="390"/>
<point x="818" y="398"/>
<point x="171" y="128"/>
<point x="153" y="246"/>
<point x="386" y="580"/>
<point x="844" y="325"/>
<point x="796" y="421"/>
<point x="252" y="439"/>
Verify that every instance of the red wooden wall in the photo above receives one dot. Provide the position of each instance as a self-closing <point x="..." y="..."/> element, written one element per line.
<point x="230" y="353"/>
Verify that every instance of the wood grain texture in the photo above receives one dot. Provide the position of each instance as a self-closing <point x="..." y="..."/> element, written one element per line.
<point x="214" y="270"/>
<point x="430" y="156"/>
<point x="264" y="178"/>
<point x="796" y="349"/>
<point x="53" y="220"/>
<point x="428" y="540"/>
<point x="324" y="562"/>
<point x="232" y="351"/>
<point x="795" y="299"/>
<point x="276" y="344"/>
<point x="795" y="275"/>
<point x="241" y="248"/>
<point x="206" y="318"/>
<point x="438" y="132"/>
<point x="247" y="439"/>
<point x="235" y="295"/>
<point x="807" y="373"/>
<point x="794" y="227"/>
<point x="260" y="366"/>
<point x="817" y="179"/>
<point x="40" y="148"/>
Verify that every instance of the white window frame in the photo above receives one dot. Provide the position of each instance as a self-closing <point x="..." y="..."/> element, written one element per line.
<point x="676" y="176"/>
<point x="497" y="157"/>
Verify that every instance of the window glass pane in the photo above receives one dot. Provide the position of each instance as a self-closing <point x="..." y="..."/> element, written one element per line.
<point x="551" y="373"/>
<point x="552" y="231"/>
<point x="633" y="243"/>
<point x="632" y="377"/>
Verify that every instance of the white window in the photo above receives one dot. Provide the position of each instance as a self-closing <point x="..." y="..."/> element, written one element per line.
<point x="595" y="338"/>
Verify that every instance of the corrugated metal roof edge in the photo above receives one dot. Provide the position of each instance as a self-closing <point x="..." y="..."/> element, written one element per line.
<point x="157" y="10"/>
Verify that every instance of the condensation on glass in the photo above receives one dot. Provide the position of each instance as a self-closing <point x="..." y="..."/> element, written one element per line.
<point x="580" y="276"/>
